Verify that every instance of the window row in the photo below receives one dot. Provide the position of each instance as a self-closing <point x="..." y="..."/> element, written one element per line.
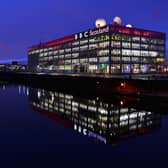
<point x="118" y="44"/>
<point x="136" y="52"/>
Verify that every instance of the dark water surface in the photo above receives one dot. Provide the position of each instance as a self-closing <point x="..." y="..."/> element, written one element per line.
<point x="43" y="128"/>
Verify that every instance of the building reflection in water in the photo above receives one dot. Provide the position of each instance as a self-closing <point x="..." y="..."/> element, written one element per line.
<point x="104" y="121"/>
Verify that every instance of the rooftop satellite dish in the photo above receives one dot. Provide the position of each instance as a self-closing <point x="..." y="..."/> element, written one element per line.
<point x="117" y="21"/>
<point x="100" y="23"/>
<point x="129" y="25"/>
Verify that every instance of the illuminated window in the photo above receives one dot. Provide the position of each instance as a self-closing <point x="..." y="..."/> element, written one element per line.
<point x="68" y="50"/>
<point x="92" y="59"/>
<point x="125" y="59"/>
<point x="144" y="60"/>
<point x="68" y="107"/>
<point x="50" y="48"/>
<point x="61" y="51"/>
<point x="61" y="110"/>
<point x="92" y="67"/>
<point x="115" y="68"/>
<point x="61" y="56"/>
<point x="74" y="55"/>
<point x="115" y="59"/>
<point x="135" y="59"/>
<point x="116" y="52"/>
<point x="92" y="108"/>
<point x="116" y="37"/>
<point x="144" y="46"/>
<point x="83" y="106"/>
<point x="92" y="46"/>
<point x="145" y="39"/>
<point x="124" y="117"/>
<point x="75" y="49"/>
<point x="144" y="53"/>
<point x="102" y="52"/>
<point x="41" y="55"/>
<point x="67" y="61"/>
<point x="56" y="57"/>
<point x="92" y="40"/>
<point x="126" y="52"/>
<point x="83" y="60"/>
<point x="82" y="48"/>
<point x="154" y="41"/>
<point x="104" y="44"/>
<point x="115" y="44"/>
<point x="45" y="54"/>
<point x="75" y="103"/>
<point x="50" y="53"/>
<point x="68" y="56"/>
<point x="126" y="38"/>
<point x="135" y="52"/>
<point x="130" y="52"/>
<point x="124" y="123"/>
<point x="75" y="43"/>
<point x="126" y="45"/>
<point x="136" y="45"/>
<point x="55" y="52"/>
<point x="153" y="53"/>
<point x="68" y="96"/>
<point x="36" y="51"/>
<point x="75" y="61"/>
<point x="68" y="101"/>
<point x="103" y="59"/>
<point x="83" y="42"/>
<point x="120" y="37"/>
<point x="136" y="39"/>
<point x="101" y="38"/>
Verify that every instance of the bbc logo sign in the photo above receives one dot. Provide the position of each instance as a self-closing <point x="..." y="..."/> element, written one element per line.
<point x="81" y="35"/>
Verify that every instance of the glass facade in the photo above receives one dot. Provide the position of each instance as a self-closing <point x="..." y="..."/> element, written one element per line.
<point x="109" y="50"/>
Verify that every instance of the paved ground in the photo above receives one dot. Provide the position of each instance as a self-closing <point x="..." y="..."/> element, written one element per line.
<point x="122" y="76"/>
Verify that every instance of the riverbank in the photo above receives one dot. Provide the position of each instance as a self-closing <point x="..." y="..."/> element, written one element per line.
<point x="134" y="85"/>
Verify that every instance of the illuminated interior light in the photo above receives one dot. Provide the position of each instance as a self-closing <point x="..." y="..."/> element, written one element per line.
<point x="122" y="84"/>
<point x="75" y="127"/>
<point x="124" y="117"/>
<point x="38" y="94"/>
<point x="121" y="102"/>
<point x="27" y="91"/>
<point x="79" y="129"/>
<point x="19" y="89"/>
<point x="4" y="87"/>
<point x="84" y="131"/>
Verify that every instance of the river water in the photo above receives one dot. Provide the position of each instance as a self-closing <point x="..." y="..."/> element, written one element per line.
<point x="40" y="127"/>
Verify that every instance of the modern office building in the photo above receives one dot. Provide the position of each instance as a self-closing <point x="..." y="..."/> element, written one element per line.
<point x="110" y="49"/>
<point x="101" y="120"/>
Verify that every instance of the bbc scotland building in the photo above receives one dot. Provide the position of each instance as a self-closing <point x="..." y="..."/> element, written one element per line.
<point x="107" y="49"/>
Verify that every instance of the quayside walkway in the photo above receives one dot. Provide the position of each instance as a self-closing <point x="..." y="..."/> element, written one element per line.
<point x="148" y="85"/>
<point x="119" y="76"/>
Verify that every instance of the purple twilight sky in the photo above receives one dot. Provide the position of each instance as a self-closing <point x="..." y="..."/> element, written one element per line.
<point x="25" y="23"/>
